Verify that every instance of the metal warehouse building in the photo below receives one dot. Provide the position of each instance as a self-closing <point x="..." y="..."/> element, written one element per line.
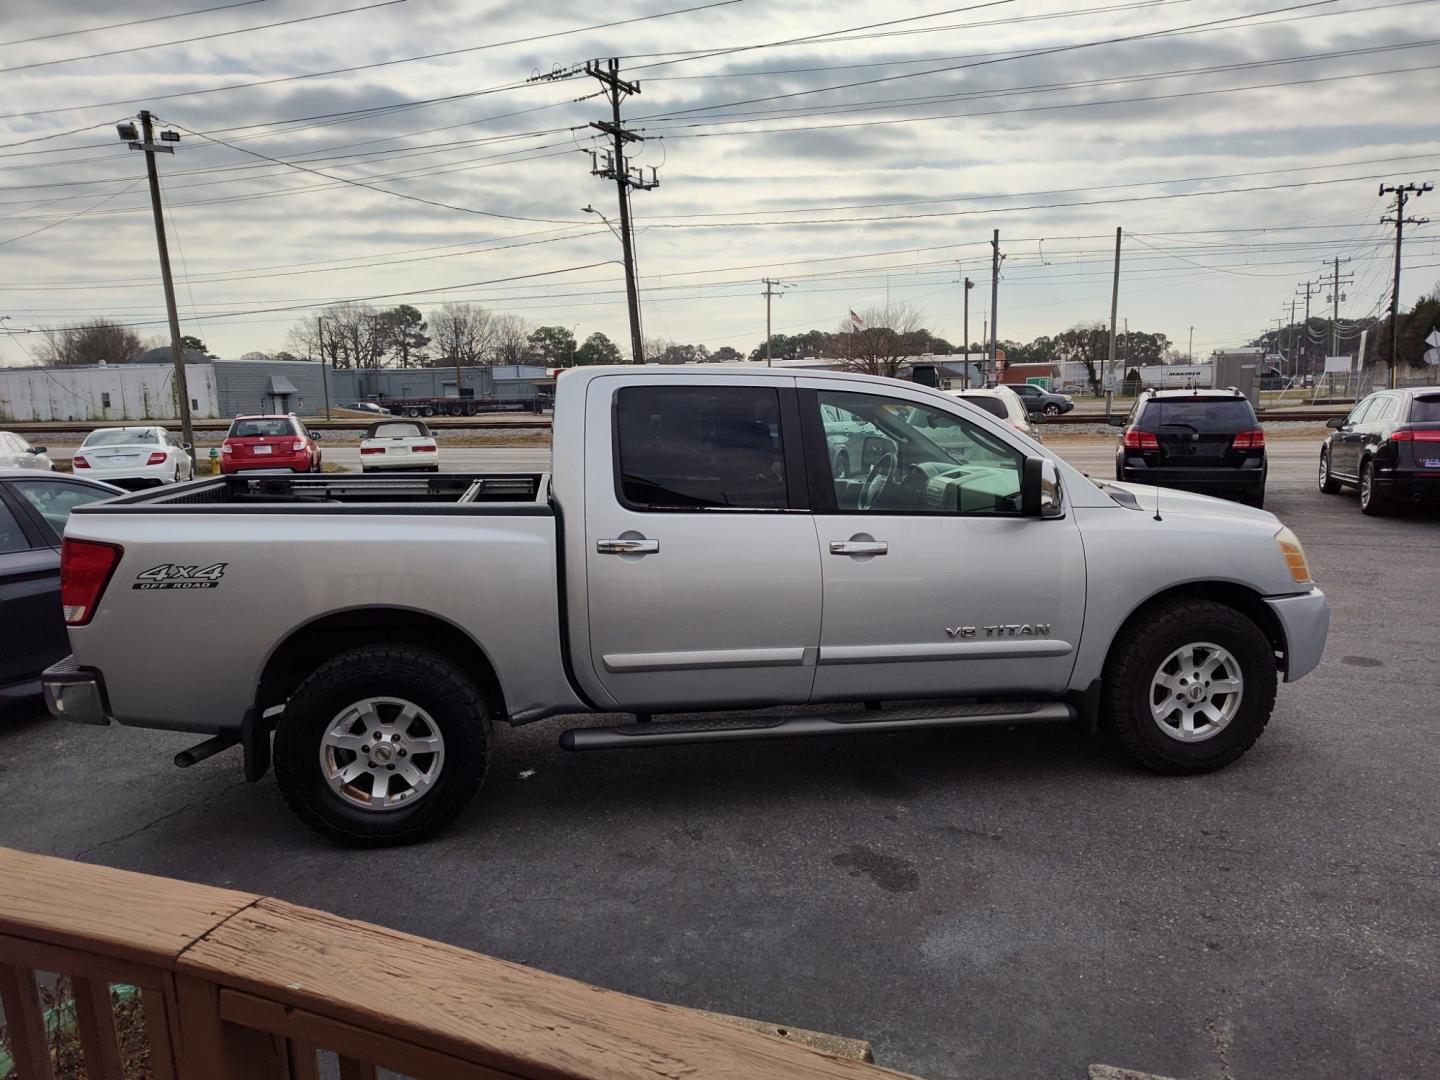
<point x="220" y="388"/>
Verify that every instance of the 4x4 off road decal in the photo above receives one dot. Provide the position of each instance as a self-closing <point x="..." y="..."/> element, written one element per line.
<point x="170" y="576"/>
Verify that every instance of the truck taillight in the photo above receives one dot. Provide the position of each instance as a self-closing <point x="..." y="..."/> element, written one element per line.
<point x="85" y="570"/>
<point x="1411" y="435"/>
<point x="78" y="462"/>
<point x="157" y="457"/>
<point x="1249" y="440"/>
<point x="1141" y="440"/>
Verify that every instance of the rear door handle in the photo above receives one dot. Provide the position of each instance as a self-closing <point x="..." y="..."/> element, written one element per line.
<point x="627" y="547"/>
<point x="859" y="547"/>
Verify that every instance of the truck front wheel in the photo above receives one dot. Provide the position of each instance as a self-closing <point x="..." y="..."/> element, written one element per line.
<point x="1188" y="687"/>
<point x="383" y="745"/>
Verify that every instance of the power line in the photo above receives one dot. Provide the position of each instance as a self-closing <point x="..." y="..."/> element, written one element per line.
<point x="199" y="37"/>
<point x="377" y="64"/>
<point x="130" y="22"/>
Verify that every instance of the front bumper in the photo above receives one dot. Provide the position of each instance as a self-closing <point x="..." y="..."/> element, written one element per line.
<point x="75" y="693"/>
<point x="1305" y="621"/>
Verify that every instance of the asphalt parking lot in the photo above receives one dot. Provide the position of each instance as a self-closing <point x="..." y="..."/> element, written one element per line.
<point x="978" y="904"/>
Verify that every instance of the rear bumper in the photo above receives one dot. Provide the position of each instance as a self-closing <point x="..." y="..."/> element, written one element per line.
<point x="1305" y="620"/>
<point x="1408" y="483"/>
<point x="1209" y="476"/>
<point x="133" y="479"/>
<point x="295" y="463"/>
<point x="396" y="462"/>
<point x="75" y="693"/>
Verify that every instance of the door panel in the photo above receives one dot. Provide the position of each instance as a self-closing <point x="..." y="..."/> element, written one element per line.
<point x="32" y="627"/>
<point x="703" y="585"/>
<point x="967" y="597"/>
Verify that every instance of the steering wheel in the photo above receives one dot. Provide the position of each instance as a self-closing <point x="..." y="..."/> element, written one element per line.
<point x="881" y="473"/>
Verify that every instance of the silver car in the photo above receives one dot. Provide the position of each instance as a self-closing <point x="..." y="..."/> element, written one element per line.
<point x="16" y="453"/>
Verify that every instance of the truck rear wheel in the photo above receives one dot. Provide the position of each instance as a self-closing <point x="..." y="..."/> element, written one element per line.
<point x="1188" y="687"/>
<point x="383" y="745"/>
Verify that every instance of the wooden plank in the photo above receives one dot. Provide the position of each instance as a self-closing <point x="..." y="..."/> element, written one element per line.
<point x="478" y="1009"/>
<point x="197" y="1030"/>
<point x="255" y="1055"/>
<point x="66" y="961"/>
<point x="350" y="1069"/>
<point x="303" y="1063"/>
<point x="95" y="1019"/>
<point x="24" y="1023"/>
<point x="158" y="1029"/>
<point x="110" y="912"/>
<point x="361" y="1048"/>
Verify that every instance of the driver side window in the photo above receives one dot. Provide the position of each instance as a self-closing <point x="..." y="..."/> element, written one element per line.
<point x="892" y="456"/>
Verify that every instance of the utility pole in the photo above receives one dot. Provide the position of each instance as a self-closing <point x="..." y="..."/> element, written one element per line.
<point x="965" y="370"/>
<point x="1310" y="287"/>
<point x="995" y="258"/>
<point x="147" y="143"/>
<point x="1335" y="297"/>
<point x="1293" y="342"/>
<point x="770" y="287"/>
<point x="1401" y="192"/>
<point x="324" y="378"/>
<point x="1114" y="306"/>
<point x="612" y="164"/>
<point x="1190" y="352"/>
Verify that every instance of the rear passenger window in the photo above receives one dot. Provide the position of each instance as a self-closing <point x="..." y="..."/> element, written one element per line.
<point x="700" y="448"/>
<point x="12" y="537"/>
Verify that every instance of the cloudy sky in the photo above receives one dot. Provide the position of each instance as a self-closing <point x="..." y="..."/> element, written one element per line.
<point x="858" y="152"/>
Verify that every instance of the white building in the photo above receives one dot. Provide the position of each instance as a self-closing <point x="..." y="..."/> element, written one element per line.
<point x="104" y="392"/>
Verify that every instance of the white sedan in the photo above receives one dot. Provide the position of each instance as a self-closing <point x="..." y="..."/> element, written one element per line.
<point x="134" y="457"/>
<point x="399" y="444"/>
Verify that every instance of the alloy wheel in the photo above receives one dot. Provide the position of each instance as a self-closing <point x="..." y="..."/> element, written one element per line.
<point x="381" y="753"/>
<point x="1196" y="692"/>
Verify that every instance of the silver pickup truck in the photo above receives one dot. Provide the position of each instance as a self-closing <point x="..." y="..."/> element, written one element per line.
<point x="697" y="551"/>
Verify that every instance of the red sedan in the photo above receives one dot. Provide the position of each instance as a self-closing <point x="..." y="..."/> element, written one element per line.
<point x="269" y="442"/>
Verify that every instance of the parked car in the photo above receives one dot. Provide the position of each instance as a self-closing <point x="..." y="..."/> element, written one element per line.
<point x="16" y="453"/>
<point x="1206" y="439"/>
<point x="134" y="457"/>
<point x="692" y="551"/>
<point x="367" y="406"/>
<point x="1388" y="447"/>
<point x="1002" y="402"/>
<point x="33" y="510"/>
<point x="1039" y="400"/>
<point x="399" y="444"/>
<point x="269" y="442"/>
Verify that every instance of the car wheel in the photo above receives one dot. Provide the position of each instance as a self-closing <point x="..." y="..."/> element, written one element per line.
<point x="1188" y="687"/>
<point x="1371" y="501"/>
<point x="1328" y="484"/>
<point x="383" y="745"/>
<point x="1254" y="497"/>
<point x="428" y="410"/>
<point x="177" y="474"/>
<point x="1052" y="409"/>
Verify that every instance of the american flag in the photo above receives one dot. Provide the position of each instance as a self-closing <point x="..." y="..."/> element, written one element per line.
<point x="856" y="322"/>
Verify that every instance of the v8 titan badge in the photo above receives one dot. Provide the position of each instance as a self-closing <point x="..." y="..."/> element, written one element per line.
<point x="171" y="576"/>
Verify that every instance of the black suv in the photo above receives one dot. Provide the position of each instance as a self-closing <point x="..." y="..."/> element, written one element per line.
<point x="1388" y="447"/>
<point x="1206" y="439"/>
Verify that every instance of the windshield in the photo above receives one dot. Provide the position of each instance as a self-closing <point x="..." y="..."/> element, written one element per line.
<point x="261" y="429"/>
<point x="121" y="437"/>
<point x="1202" y="415"/>
<point x="408" y="430"/>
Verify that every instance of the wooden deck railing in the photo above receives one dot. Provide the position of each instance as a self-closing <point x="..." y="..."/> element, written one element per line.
<point x="235" y="985"/>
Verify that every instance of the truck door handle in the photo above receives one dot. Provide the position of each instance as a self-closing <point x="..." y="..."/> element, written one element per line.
<point x="859" y="547"/>
<point x="627" y="547"/>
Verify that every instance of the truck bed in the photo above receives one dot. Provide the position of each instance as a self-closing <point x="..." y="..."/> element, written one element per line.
<point x="517" y="493"/>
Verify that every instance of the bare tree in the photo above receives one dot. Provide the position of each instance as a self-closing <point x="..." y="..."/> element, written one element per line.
<point x="892" y="334"/>
<point x="511" y="343"/>
<point x="464" y="333"/>
<point x="96" y="341"/>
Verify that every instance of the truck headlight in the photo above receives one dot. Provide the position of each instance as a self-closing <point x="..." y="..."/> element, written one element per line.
<point x="1289" y="545"/>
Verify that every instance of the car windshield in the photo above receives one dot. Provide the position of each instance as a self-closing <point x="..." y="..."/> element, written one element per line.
<point x="406" y="430"/>
<point x="261" y="429"/>
<point x="1425" y="410"/>
<point x="1204" y="415"/>
<point x="121" y="437"/>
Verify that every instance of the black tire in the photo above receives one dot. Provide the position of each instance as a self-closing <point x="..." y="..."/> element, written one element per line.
<point x="1052" y="409"/>
<point x="1145" y="642"/>
<point x="1327" y="483"/>
<point x="1254" y="497"/>
<point x="454" y="705"/>
<point x="428" y="410"/>
<point x="1372" y="502"/>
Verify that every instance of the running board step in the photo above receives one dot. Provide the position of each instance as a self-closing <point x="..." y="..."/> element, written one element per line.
<point x="850" y="722"/>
